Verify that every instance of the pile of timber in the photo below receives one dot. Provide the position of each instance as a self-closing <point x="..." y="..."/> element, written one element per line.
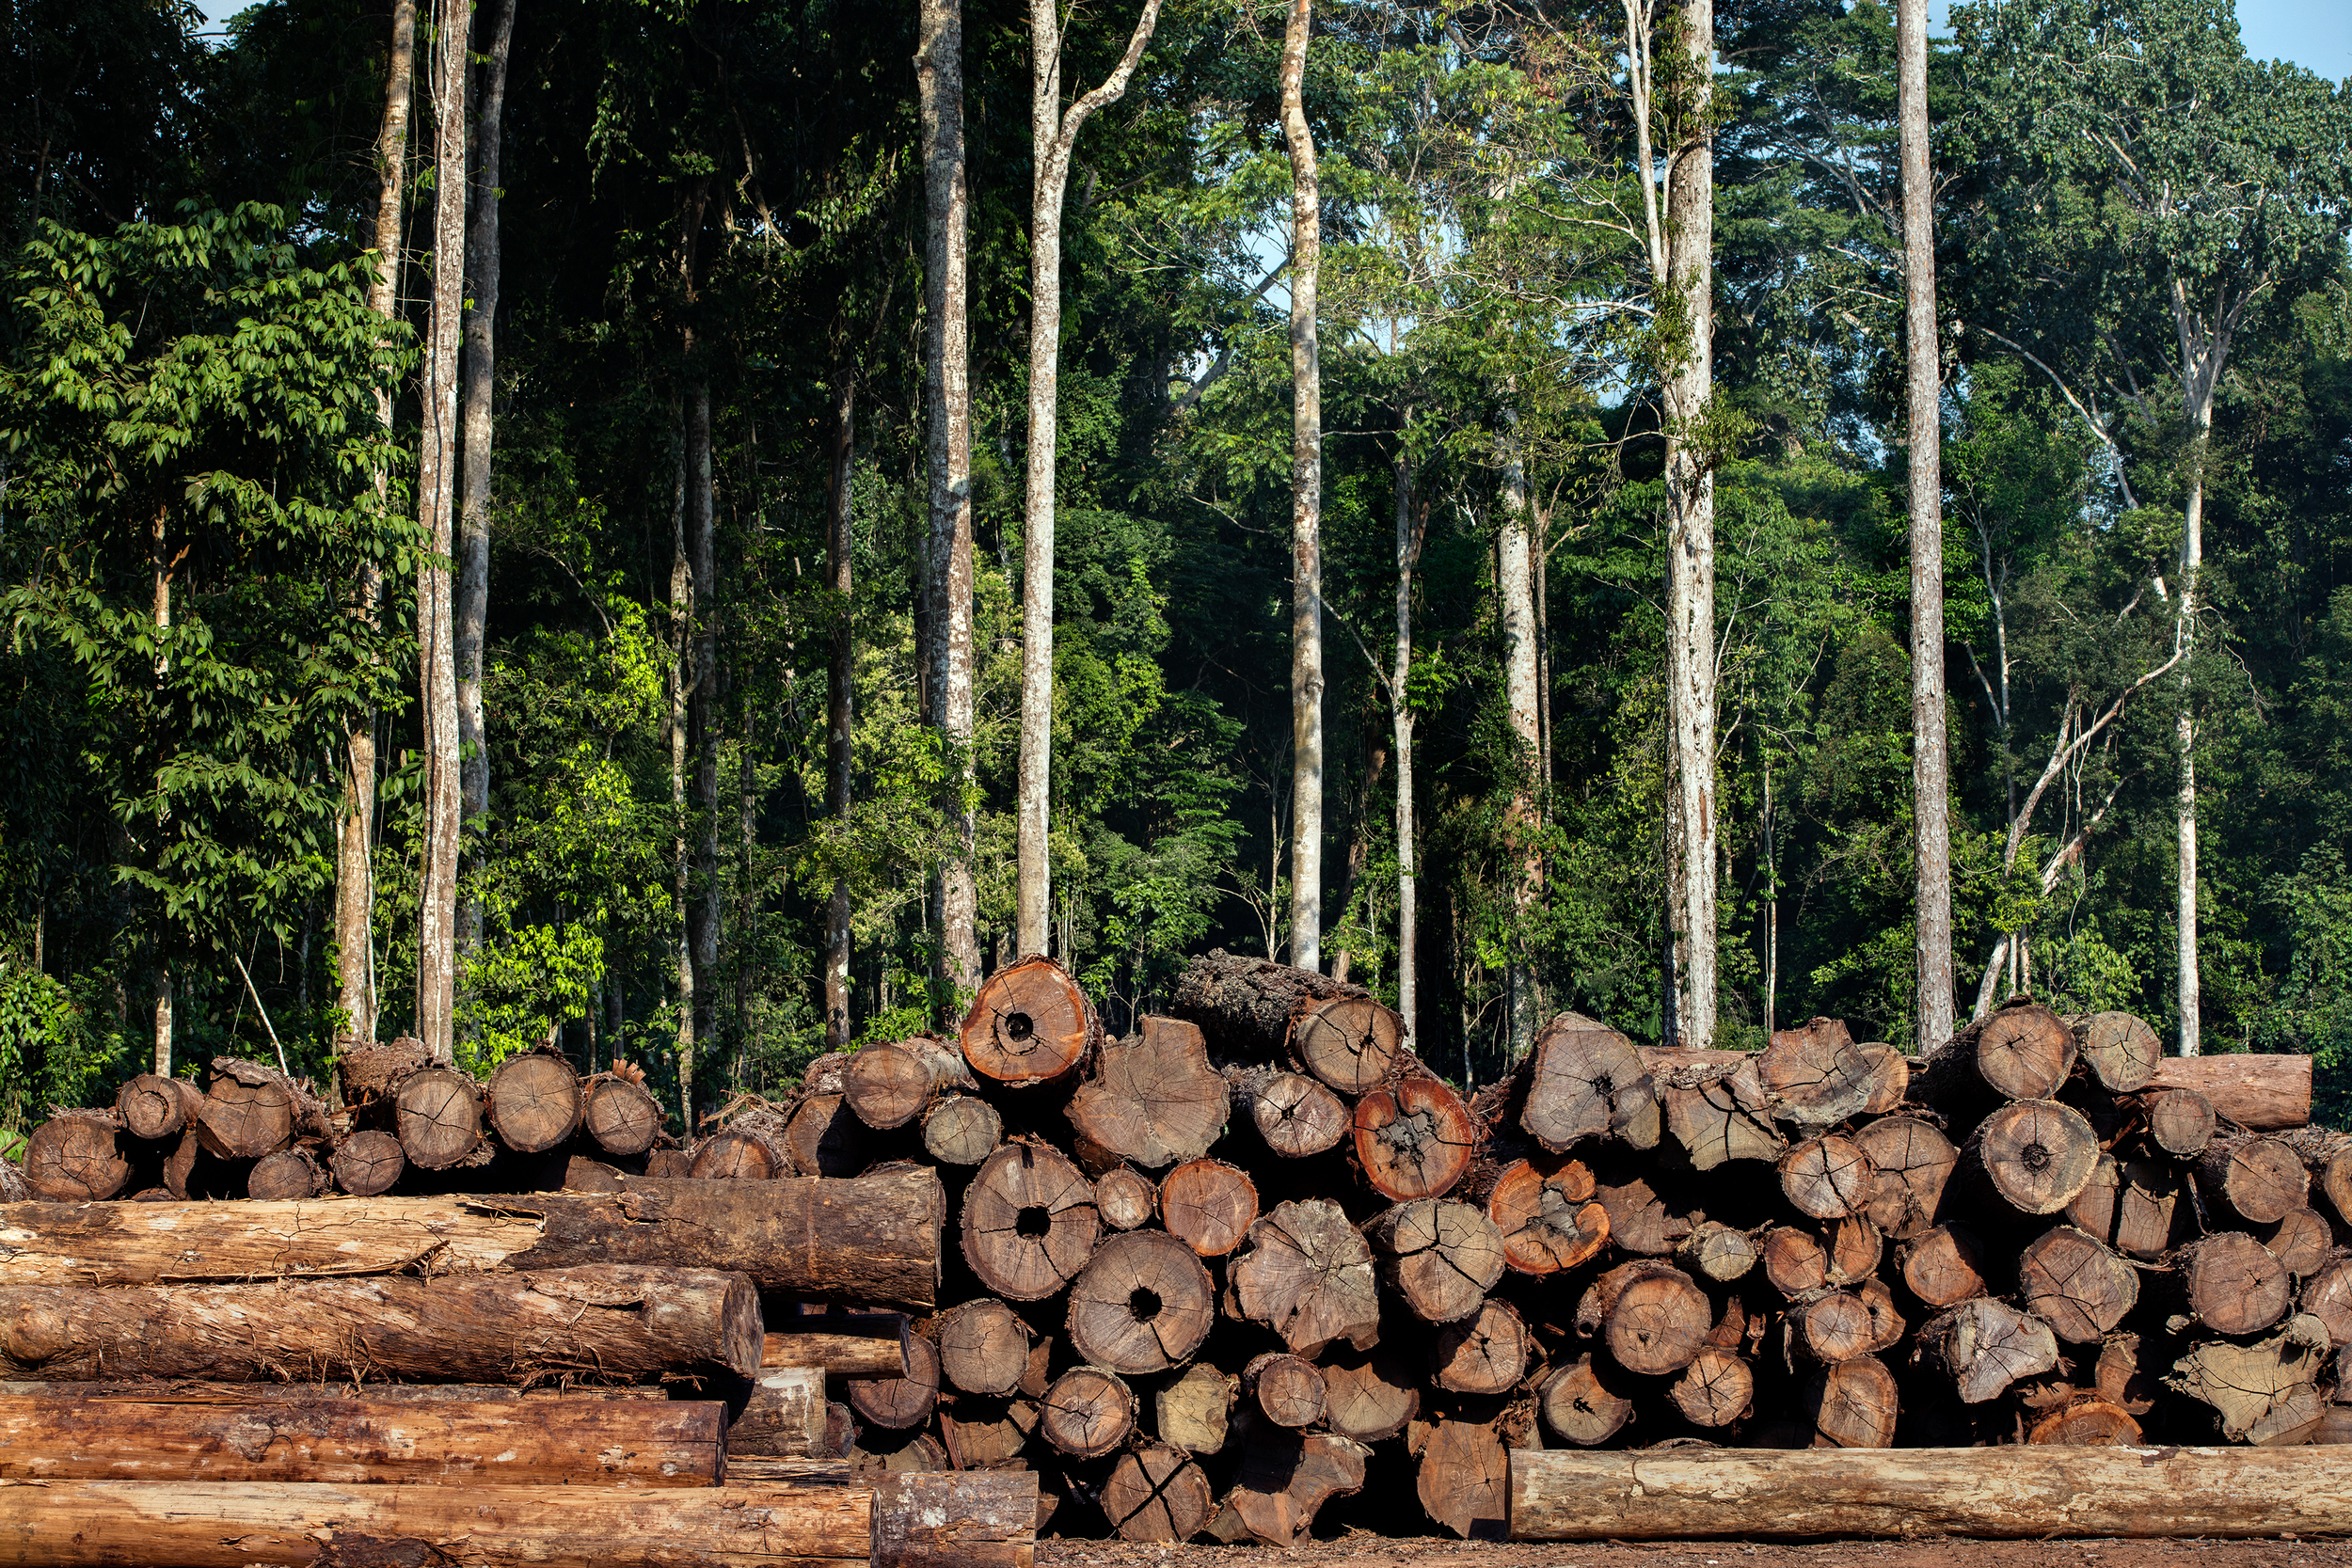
<point x="1256" y="1258"/>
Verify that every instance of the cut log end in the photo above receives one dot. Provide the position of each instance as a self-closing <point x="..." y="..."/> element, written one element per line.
<point x="1349" y="1042"/>
<point x="534" y="1101"/>
<point x="1030" y="1026"/>
<point x="963" y="1129"/>
<point x="1087" y="1412"/>
<point x="621" y="1116"/>
<point x="1029" y="1222"/>
<point x="1143" y="1304"/>
<point x="439" y="1113"/>
<point x="368" y="1162"/>
<point x="1414" y="1139"/>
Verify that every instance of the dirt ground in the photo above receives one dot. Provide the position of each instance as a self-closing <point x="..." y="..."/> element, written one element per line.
<point x="1372" y="1551"/>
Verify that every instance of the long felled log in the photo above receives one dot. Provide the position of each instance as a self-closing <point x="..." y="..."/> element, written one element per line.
<point x="2261" y="1093"/>
<point x="873" y="1241"/>
<point x="2013" y="1492"/>
<point x="1254" y="1010"/>
<point x="843" y="1344"/>
<point x="601" y="1323"/>
<point x="819" y="1520"/>
<point x="561" y="1442"/>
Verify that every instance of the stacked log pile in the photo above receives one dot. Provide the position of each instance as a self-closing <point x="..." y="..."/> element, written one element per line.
<point x="1257" y="1258"/>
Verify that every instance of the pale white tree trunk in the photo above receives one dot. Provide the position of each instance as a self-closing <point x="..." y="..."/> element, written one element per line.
<point x="354" y="835"/>
<point x="1306" y="504"/>
<point x="946" y="381"/>
<point x="436" y="475"/>
<point x="1409" y="537"/>
<point x="163" y="1021"/>
<point x="1930" y="758"/>
<point x="1515" y="577"/>
<point x="1052" y="136"/>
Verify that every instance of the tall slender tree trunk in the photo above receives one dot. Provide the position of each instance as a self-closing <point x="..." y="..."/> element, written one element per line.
<point x="840" y="692"/>
<point x="436" y="475"/>
<point x="1515" y="582"/>
<point x="947" y="382"/>
<point x="704" y="910"/>
<point x="1409" y="524"/>
<point x="474" y="522"/>
<point x="1052" y="137"/>
<point x="159" y="563"/>
<point x="1692" y="803"/>
<point x="2199" y="400"/>
<point x="680" y="682"/>
<point x="1930" y="757"/>
<point x="1306" y="502"/>
<point x="354" y="836"/>
<point x="163" y="1021"/>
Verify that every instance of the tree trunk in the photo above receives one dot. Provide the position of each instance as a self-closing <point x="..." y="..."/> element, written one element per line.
<point x="1688" y="282"/>
<point x="1306" y="504"/>
<point x="1295" y="1114"/>
<point x="948" y="397"/>
<point x="165" y="1437"/>
<point x="154" y="1106"/>
<point x="163" y="1021"/>
<point x="1254" y="1010"/>
<point x="1484" y="1353"/>
<point x="2261" y="1093"/>
<point x="1985" y="1345"/>
<point x="1308" y="1276"/>
<point x="1515" y="586"/>
<point x="1410" y="529"/>
<point x="702" y="910"/>
<point x="75" y="1157"/>
<point x="621" y="1116"/>
<point x="1191" y="1412"/>
<point x="1930" y="757"/>
<point x="1153" y="1098"/>
<point x="1143" y="1304"/>
<point x="840" y="694"/>
<point x="1911" y="1164"/>
<point x="437" y="477"/>
<point x="1126" y="1198"/>
<point x="1029" y="1222"/>
<point x="961" y="1130"/>
<point x="368" y="1162"/>
<point x="480" y="389"/>
<point x="675" y="731"/>
<point x="438" y="1113"/>
<point x="2199" y="410"/>
<point x="1368" y="1394"/>
<point x="902" y="1399"/>
<point x="354" y="835"/>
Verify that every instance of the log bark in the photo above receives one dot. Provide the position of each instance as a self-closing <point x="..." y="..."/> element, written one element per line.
<point x="367" y="1164"/>
<point x="1370" y="1395"/>
<point x="2121" y="1051"/>
<point x="820" y="1520"/>
<point x="1029" y="1222"/>
<point x="1582" y="1404"/>
<point x="1308" y="1276"/>
<point x="534" y="1101"/>
<point x="1826" y="1178"/>
<point x="1288" y="1389"/>
<point x="1414" y="1139"/>
<point x="1484" y="1353"/>
<point x="874" y="1241"/>
<point x="1715" y="1390"/>
<point x="983" y="1347"/>
<point x="1985" y="1345"/>
<point x="1254" y="1010"/>
<point x="1153" y="1098"/>
<point x="438" y="1112"/>
<point x="75" y="1157"/>
<point x="1143" y="1304"/>
<point x="1816" y="1075"/>
<point x="1584" y="1080"/>
<point x="1087" y="1412"/>
<point x="1125" y="1197"/>
<point x="1851" y="1405"/>
<point x="1548" y="1214"/>
<point x="840" y="1345"/>
<point x="2232" y="1283"/>
<point x="905" y="1400"/>
<point x="961" y="1130"/>
<point x="2035" y="1154"/>
<point x="1030" y="1026"/>
<point x="2018" y="1492"/>
<point x="621" y="1116"/>
<point x="1292" y="1113"/>
<point x="1192" y="1412"/>
<point x="2076" y="1285"/>
<point x="2261" y="1093"/>
<point x="1210" y="1205"/>
<point x="151" y="1106"/>
<point x="955" y="1521"/>
<point x="2259" y="1181"/>
<point x="1911" y="1164"/>
<point x="1441" y="1257"/>
<point x="160" y="1437"/>
<point x="1658" y="1321"/>
<point x="1157" y="1493"/>
<point x="601" y="1323"/>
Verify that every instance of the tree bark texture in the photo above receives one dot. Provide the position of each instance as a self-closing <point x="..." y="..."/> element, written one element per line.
<point x="1306" y="502"/>
<point x="2261" y="1093"/>
<point x="1516" y="585"/>
<point x="840" y="693"/>
<point x="1410" y="528"/>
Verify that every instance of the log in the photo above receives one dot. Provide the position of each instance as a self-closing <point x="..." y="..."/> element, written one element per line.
<point x="1548" y="1213"/>
<point x="1831" y="1327"/>
<point x="250" y="1110"/>
<point x="2129" y="1373"/>
<point x="819" y="1521"/>
<point x="1441" y="1257"/>
<point x="1414" y="1139"/>
<point x="2076" y="1285"/>
<point x="2093" y="1212"/>
<point x="1157" y="1493"/>
<point x="2149" y="1213"/>
<point x="1715" y="1390"/>
<point x="1716" y="1107"/>
<point x="1029" y="1222"/>
<point x="1911" y="1165"/>
<point x="1640" y="1220"/>
<point x="2261" y="1093"/>
<point x="2087" y="1423"/>
<point x="155" y="1108"/>
<point x="1153" y="1098"/>
<point x="961" y="1130"/>
<point x="1658" y="1321"/>
<point x="159" y="1437"/>
<point x="955" y="1521"/>
<point x="873" y="1241"/>
<point x="290" y="1173"/>
<point x="620" y="1115"/>
<point x="1125" y="1197"/>
<point x="2035" y="1154"/>
<point x="1368" y="1394"/>
<point x="2232" y="1283"/>
<point x="2181" y="1121"/>
<point x="1143" y="1304"/>
<point x="1030" y="1026"/>
<point x="2260" y="1180"/>
<point x="840" y="1345"/>
<point x="2020" y="1052"/>
<point x="1282" y="1482"/>
<point x="75" y="1157"/>
<point x="534" y="1101"/>
<point x="983" y="1347"/>
<point x="1191" y="1412"/>
<point x="1484" y="1353"/>
<point x="1719" y="1252"/>
<point x="1295" y="1114"/>
<point x="1581" y="1405"/>
<point x="1465" y="1482"/>
<point x="367" y="1164"/>
<point x="1826" y="1178"/>
<point x="887" y="1085"/>
<point x="1815" y="1074"/>
<point x="1308" y="1276"/>
<point x="1584" y="1080"/>
<point x="2119" y="1048"/>
<point x="746" y="1153"/>
<point x="1942" y="1267"/>
<point x="880" y="1451"/>
<point x="1288" y="1389"/>
<point x="1254" y="1010"/>
<point x="2303" y="1243"/>
<point x="981" y="1433"/>
<point x="1852" y="1404"/>
<point x="822" y="1136"/>
<point x="1985" y="1345"/>
<point x="369" y="1069"/>
<point x="2017" y="1491"/>
<point x="1210" y="1205"/>
<point x="904" y="1399"/>
<point x="781" y="1414"/>
<point x="437" y="1111"/>
<point x="2327" y="1155"/>
<point x="600" y="1323"/>
<point x="1087" y="1412"/>
<point x="2264" y="1393"/>
<point x="1890" y="1078"/>
<point x="1795" y="1261"/>
<point x="2328" y="1297"/>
